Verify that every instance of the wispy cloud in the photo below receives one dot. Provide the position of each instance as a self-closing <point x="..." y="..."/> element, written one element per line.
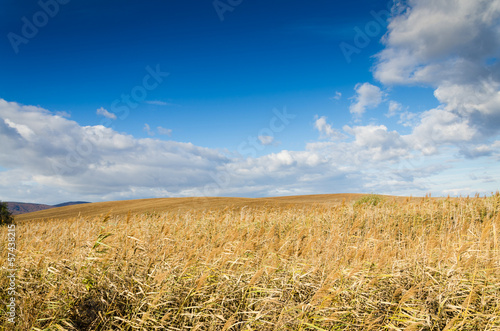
<point x="266" y="140"/>
<point x="394" y="108"/>
<point x="337" y="96"/>
<point x="159" y="103"/>
<point x="163" y="131"/>
<point x="148" y="130"/>
<point x="103" y="112"/>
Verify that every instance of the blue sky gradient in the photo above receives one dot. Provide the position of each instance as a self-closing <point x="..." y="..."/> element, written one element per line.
<point x="228" y="74"/>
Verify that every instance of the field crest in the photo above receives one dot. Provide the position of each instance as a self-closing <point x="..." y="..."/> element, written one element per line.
<point x="180" y="205"/>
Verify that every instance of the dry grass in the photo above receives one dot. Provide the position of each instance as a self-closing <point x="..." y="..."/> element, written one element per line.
<point x="399" y="265"/>
<point x="122" y="208"/>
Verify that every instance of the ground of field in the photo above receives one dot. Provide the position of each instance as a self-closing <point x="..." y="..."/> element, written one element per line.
<point x="182" y="205"/>
<point x="354" y="264"/>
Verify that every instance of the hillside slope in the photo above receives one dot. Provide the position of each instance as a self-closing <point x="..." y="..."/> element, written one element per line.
<point x="17" y="208"/>
<point x="70" y="203"/>
<point x="179" y="204"/>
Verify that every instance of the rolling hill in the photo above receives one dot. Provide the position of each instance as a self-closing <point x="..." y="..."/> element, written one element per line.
<point x="179" y="204"/>
<point x="17" y="208"/>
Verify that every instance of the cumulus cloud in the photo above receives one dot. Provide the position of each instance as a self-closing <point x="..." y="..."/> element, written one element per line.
<point x="452" y="46"/>
<point x="56" y="158"/>
<point x="326" y="129"/>
<point x="406" y="118"/>
<point x="103" y="112"/>
<point x="433" y="39"/>
<point x="377" y="143"/>
<point x="367" y="96"/>
<point x="92" y="162"/>
<point x="479" y="103"/>
<point x="438" y="127"/>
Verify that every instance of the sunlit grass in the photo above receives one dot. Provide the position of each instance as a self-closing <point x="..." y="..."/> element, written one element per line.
<point x="431" y="264"/>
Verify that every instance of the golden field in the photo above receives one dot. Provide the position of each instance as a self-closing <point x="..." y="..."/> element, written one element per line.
<point x="120" y="208"/>
<point x="294" y="263"/>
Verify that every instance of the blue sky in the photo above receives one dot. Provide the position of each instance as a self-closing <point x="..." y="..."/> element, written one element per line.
<point x="104" y="100"/>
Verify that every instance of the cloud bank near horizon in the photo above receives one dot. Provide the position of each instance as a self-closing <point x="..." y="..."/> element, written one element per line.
<point x="49" y="158"/>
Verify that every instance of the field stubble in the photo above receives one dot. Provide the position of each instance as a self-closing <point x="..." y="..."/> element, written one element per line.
<point x="432" y="264"/>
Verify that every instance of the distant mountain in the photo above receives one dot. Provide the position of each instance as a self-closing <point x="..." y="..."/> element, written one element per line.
<point x="17" y="208"/>
<point x="71" y="203"/>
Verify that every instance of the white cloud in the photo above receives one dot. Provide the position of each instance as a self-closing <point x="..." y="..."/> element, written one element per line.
<point x="406" y="118"/>
<point x="103" y="112"/>
<point x="163" y="131"/>
<point x="57" y="160"/>
<point x="472" y="152"/>
<point x="326" y="129"/>
<point x="438" y="127"/>
<point x="90" y="162"/>
<point x="454" y="47"/>
<point x="147" y="128"/>
<point x="394" y="108"/>
<point x="63" y="114"/>
<point x="479" y="103"/>
<point x="376" y="143"/>
<point x="24" y="131"/>
<point x="159" y="103"/>
<point x="337" y="96"/>
<point x="439" y="40"/>
<point x="368" y="96"/>
<point x="266" y="140"/>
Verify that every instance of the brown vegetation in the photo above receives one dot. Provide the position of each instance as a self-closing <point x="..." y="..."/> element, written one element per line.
<point x="180" y="204"/>
<point x="422" y="264"/>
